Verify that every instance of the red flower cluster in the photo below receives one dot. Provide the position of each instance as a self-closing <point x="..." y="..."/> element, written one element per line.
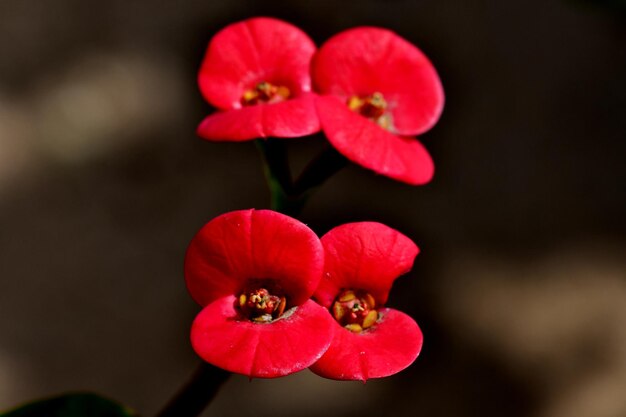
<point x="372" y="93"/>
<point x="255" y="272"/>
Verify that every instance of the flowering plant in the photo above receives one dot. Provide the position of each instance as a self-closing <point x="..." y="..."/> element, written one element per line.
<point x="275" y="298"/>
<point x="373" y="91"/>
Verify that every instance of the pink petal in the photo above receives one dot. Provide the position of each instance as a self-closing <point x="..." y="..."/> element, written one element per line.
<point x="242" y="246"/>
<point x="367" y="144"/>
<point x="363" y="256"/>
<point x="254" y="50"/>
<point x="383" y="350"/>
<point x="261" y="350"/>
<point x="286" y="119"/>
<point x="366" y="60"/>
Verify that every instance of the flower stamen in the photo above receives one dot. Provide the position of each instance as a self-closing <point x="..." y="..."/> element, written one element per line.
<point x="260" y="306"/>
<point x="354" y="310"/>
<point x="265" y="93"/>
<point x="373" y="107"/>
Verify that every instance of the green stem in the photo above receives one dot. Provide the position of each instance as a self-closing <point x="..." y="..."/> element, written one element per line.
<point x="276" y="164"/>
<point x="278" y="176"/>
<point x="197" y="393"/>
<point x="326" y="164"/>
<point x="286" y="196"/>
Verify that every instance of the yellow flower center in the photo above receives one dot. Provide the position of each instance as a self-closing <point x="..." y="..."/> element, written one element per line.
<point x="374" y="107"/>
<point x="354" y="310"/>
<point x="260" y="306"/>
<point x="265" y="93"/>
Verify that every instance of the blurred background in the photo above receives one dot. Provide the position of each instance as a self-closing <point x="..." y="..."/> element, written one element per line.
<point x="520" y="288"/>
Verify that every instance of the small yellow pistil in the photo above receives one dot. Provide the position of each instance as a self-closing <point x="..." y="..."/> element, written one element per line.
<point x="260" y="306"/>
<point x="265" y="93"/>
<point x="354" y="310"/>
<point x="373" y="107"/>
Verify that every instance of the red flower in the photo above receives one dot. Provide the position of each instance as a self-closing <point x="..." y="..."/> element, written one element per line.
<point x="256" y="72"/>
<point x="370" y="341"/>
<point x="378" y="91"/>
<point x="254" y="272"/>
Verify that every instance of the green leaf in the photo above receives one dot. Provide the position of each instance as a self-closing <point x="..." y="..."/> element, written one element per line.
<point x="82" y="404"/>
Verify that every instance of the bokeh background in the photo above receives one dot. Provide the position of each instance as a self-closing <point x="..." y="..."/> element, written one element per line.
<point x="520" y="288"/>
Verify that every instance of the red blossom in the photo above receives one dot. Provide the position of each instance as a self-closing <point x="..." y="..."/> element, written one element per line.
<point x="256" y="73"/>
<point x="361" y="262"/>
<point x="378" y="91"/>
<point x="254" y="272"/>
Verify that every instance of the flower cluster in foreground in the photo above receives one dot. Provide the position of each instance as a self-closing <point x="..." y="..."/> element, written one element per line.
<point x="369" y="90"/>
<point x="257" y="274"/>
<point x="276" y="298"/>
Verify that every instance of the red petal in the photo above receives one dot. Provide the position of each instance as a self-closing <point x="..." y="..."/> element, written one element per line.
<point x="261" y="350"/>
<point x="245" y="245"/>
<point x="366" y="60"/>
<point x="369" y="145"/>
<point x="364" y="256"/>
<point x="383" y="350"/>
<point x="254" y="50"/>
<point x="287" y="119"/>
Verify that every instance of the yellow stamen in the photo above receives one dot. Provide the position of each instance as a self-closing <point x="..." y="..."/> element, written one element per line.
<point x="338" y="311"/>
<point x="280" y="309"/>
<point x="264" y="92"/>
<point x="347" y="296"/>
<point x="370" y="319"/>
<point x="371" y="303"/>
<point x="261" y="306"/>
<point x="373" y="107"/>
<point x="283" y="92"/>
<point x="355" y="328"/>
<point x="355" y="103"/>
<point x="265" y="318"/>
<point x="249" y="95"/>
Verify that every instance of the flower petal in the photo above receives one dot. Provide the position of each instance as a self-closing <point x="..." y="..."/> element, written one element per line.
<point x="367" y="144"/>
<point x="383" y="350"/>
<point x="365" y="256"/>
<point x="261" y="350"/>
<point x="366" y="60"/>
<point x="254" y="50"/>
<point x="240" y="246"/>
<point x="286" y="119"/>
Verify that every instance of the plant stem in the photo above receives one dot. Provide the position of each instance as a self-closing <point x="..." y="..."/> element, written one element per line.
<point x="197" y="393"/>
<point x="276" y="163"/>
<point x="286" y="196"/>
<point x="278" y="176"/>
<point x="326" y="164"/>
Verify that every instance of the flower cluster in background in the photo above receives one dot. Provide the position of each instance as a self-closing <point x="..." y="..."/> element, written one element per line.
<point x="369" y="90"/>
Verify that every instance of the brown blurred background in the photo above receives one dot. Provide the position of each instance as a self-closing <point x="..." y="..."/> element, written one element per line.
<point x="521" y="285"/>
